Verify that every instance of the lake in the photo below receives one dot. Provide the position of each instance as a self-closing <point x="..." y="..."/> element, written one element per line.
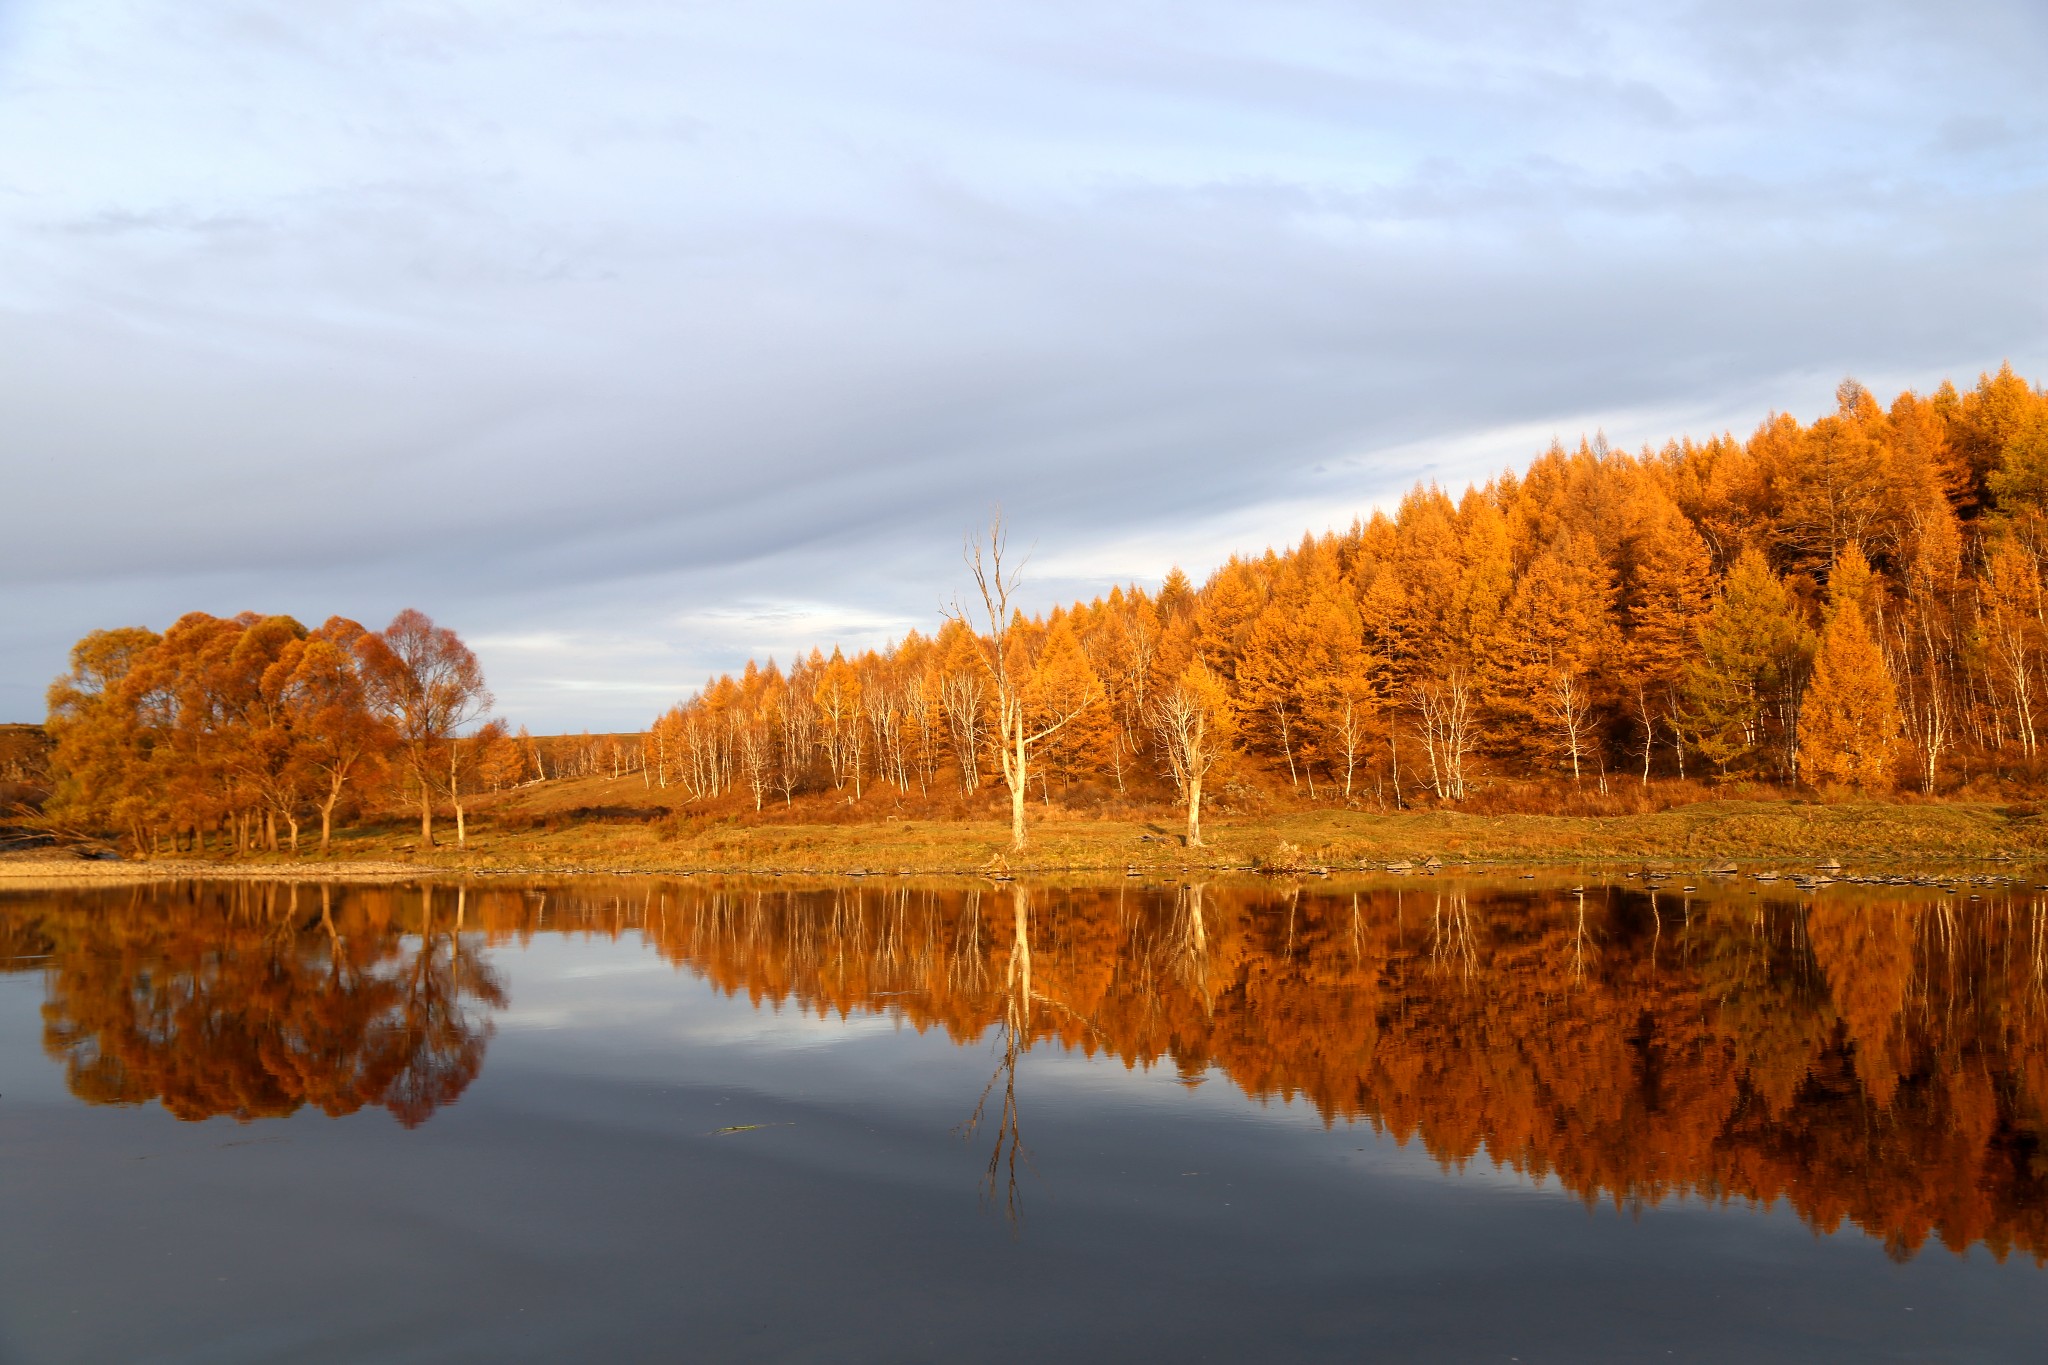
<point x="1568" y="1118"/>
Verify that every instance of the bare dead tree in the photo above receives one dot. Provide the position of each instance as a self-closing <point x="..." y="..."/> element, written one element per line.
<point x="997" y="584"/>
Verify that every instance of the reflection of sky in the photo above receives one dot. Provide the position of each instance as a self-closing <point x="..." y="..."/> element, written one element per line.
<point x="633" y="339"/>
<point x="615" y="1011"/>
<point x="628" y="1008"/>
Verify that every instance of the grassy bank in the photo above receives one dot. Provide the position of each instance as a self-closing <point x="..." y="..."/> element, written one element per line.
<point x="1778" y="831"/>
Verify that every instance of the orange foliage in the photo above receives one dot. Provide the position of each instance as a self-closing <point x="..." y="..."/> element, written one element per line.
<point x="1658" y="614"/>
<point x="252" y="723"/>
<point x="1603" y="612"/>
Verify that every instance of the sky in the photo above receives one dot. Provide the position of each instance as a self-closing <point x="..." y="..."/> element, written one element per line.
<point x="632" y="340"/>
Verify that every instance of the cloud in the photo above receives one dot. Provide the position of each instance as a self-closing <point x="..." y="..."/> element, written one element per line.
<point x="668" y="335"/>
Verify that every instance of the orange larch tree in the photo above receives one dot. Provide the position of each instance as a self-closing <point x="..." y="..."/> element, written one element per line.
<point x="1849" y="720"/>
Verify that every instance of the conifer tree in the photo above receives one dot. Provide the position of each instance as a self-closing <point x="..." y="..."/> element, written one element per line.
<point x="1062" y="684"/>
<point x="1670" y="592"/>
<point x="1556" y="631"/>
<point x="1985" y="422"/>
<point x="1742" y="691"/>
<point x="1850" y="726"/>
<point x="1305" y="646"/>
<point x="1534" y="618"/>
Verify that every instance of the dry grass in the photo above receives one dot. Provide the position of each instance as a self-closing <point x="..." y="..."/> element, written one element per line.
<point x="602" y="825"/>
<point x="46" y="871"/>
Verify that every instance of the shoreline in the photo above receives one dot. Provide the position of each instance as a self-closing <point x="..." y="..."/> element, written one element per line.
<point x="1925" y="874"/>
<point x="1688" y="838"/>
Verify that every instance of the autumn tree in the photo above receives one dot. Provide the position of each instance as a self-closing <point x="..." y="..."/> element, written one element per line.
<point x="1529" y="624"/>
<point x="836" y="696"/>
<point x="962" y="683"/>
<point x="2011" y="611"/>
<point x="1743" y="688"/>
<point x="320" y="683"/>
<point x="272" y="752"/>
<point x="1061" y="696"/>
<point x="97" y="725"/>
<point x="1301" y="668"/>
<point x="1667" y="591"/>
<point x="1849" y="731"/>
<point x="430" y="687"/>
<point x="1557" y="630"/>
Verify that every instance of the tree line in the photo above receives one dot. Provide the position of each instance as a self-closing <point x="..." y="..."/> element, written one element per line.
<point x="1856" y="602"/>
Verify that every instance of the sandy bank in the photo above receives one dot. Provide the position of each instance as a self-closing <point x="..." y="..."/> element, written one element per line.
<point x="18" y="872"/>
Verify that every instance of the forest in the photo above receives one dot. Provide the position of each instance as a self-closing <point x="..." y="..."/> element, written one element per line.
<point x="1851" y="605"/>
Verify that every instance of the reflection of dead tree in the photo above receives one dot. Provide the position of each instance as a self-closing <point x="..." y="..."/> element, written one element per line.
<point x="1191" y="944"/>
<point x="1015" y="1030"/>
<point x="1002" y="1161"/>
<point x="1579" y="941"/>
<point x="1451" y="933"/>
<point x="967" y="968"/>
<point x="2037" y="942"/>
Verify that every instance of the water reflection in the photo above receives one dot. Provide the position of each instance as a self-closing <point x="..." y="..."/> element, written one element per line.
<point x="1873" y="1060"/>
<point x="256" y="1001"/>
<point x="1013" y="1032"/>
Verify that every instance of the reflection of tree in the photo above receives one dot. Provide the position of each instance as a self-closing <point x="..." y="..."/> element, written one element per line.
<point x="1869" y="1058"/>
<point x="1190" y="942"/>
<point x="242" y="1001"/>
<point x="1013" y="1029"/>
<point x="1881" y="1062"/>
<point x="440" y="1050"/>
<point x="1450" y="934"/>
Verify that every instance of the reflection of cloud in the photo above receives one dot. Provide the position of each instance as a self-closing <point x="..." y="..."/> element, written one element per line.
<point x="772" y="301"/>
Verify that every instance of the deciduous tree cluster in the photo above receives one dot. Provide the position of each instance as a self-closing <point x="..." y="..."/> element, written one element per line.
<point x="249" y="727"/>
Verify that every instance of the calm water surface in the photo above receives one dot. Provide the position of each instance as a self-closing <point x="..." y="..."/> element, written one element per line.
<point x="636" y="1119"/>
